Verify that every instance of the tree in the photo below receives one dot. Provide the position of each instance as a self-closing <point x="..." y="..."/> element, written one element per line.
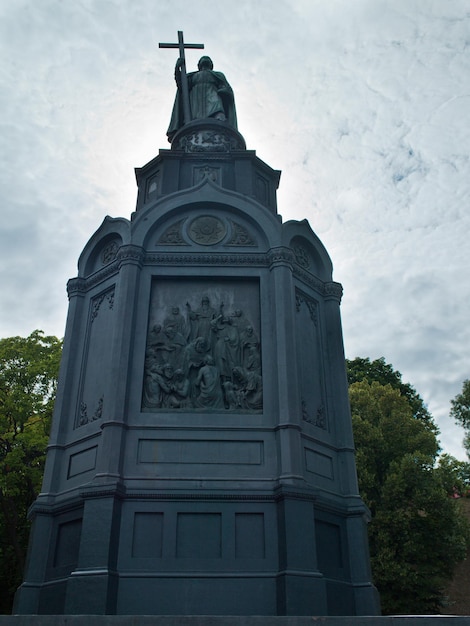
<point x="28" y="380"/>
<point x="417" y="532"/>
<point x="460" y="411"/>
<point x="383" y="373"/>
<point x="455" y="475"/>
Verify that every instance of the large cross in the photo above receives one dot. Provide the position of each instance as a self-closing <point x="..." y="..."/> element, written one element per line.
<point x="184" y="78"/>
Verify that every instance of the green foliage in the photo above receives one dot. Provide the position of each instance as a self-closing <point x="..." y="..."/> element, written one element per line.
<point x="460" y="411"/>
<point x="417" y="532"/>
<point x="383" y="373"/>
<point x="460" y="406"/>
<point x="454" y="475"/>
<point x="28" y="379"/>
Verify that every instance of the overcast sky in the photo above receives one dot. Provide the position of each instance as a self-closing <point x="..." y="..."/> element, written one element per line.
<point x="363" y="104"/>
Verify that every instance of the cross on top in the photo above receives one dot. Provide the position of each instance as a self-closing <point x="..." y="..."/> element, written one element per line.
<point x="184" y="79"/>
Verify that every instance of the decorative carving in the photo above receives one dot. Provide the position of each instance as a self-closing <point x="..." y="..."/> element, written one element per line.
<point x="319" y="420"/>
<point x="240" y="236"/>
<point x="130" y="253"/>
<point x="280" y="255"/>
<point x="301" y="256"/>
<point x="334" y="291"/>
<point x="211" y="173"/>
<point x="97" y="302"/>
<point x="173" y="235"/>
<point x="208" y="359"/>
<point x="311" y="305"/>
<point x="84" y="419"/>
<point x="76" y="286"/>
<point x="245" y="390"/>
<point x="208" y="141"/>
<point x="109" y="252"/>
<point x="166" y="258"/>
<point x="207" y="230"/>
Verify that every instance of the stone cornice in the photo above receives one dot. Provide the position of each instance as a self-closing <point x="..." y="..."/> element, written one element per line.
<point x="78" y="286"/>
<point x="131" y="254"/>
<point x="201" y="258"/>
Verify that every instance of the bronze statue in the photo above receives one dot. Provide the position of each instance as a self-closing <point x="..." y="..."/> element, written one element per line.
<point x="210" y="96"/>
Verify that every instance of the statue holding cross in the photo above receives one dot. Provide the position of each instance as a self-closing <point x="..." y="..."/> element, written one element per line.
<point x="202" y="94"/>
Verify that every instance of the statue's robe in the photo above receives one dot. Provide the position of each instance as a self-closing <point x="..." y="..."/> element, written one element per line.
<point x="209" y="95"/>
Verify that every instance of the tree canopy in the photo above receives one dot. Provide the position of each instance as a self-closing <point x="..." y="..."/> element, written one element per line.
<point x="460" y="411"/>
<point x="383" y="373"/>
<point x="417" y="532"/>
<point x="28" y="379"/>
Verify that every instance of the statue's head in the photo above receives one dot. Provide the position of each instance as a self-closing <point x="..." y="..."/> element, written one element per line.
<point x="205" y="63"/>
<point x="168" y="370"/>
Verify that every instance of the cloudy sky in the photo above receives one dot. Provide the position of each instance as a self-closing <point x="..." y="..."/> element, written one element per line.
<point x="363" y="104"/>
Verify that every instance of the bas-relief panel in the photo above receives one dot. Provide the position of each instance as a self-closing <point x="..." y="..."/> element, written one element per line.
<point x="203" y="347"/>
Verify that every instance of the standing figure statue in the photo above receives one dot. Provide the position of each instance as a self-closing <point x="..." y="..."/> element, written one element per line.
<point x="210" y="95"/>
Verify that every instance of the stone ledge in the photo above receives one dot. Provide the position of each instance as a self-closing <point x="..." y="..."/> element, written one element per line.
<point x="230" y="620"/>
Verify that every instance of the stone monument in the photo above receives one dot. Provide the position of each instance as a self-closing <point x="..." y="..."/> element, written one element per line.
<point x="201" y="459"/>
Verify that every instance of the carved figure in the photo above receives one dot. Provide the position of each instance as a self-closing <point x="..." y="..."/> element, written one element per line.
<point x="251" y="358"/>
<point x="208" y="381"/>
<point x="175" y="344"/>
<point x="167" y="386"/>
<point x="210" y="95"/>
<point x="152" y="388"/>
<point x="194" y="354"/>
<point x="179" y="398"/>
<point x="200" y="320"/>
<point x="240" y="320"/>
<point x="177" y="321"/>
<point x="210" y="360"/>
<point x="249" y="387"/>
<point x="227" y="346"/>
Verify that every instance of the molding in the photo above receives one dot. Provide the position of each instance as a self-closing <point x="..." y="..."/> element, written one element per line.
<point x="204" y="258"/>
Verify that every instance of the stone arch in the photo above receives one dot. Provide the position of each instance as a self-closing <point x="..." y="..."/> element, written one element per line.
<point x="102" y="249"/>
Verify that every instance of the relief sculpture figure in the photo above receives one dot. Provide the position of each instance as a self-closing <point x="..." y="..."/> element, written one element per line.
<point x="177" y="321"/>
<point x="200" y="320"/>
<point x="251" y="358"/>
<point x="208" y="360"/>
<point x="208" y="381"/>
<point x="227" y="346"/>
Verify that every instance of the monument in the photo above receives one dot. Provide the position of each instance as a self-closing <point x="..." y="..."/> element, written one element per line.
<point x="201" y="459"/>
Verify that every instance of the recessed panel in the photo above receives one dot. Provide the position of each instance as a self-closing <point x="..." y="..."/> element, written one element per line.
<point x="83" y="461"/>
<point x="147" y="535"/>
<point x="199" y="535"/>
<point x="249" y="536"/>
<point x="203" y="348"/>
<point x="200" y="452"/>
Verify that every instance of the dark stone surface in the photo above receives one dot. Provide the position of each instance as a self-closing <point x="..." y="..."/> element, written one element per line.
<point x="195" y="466"/>
<point x="215" y="620"/>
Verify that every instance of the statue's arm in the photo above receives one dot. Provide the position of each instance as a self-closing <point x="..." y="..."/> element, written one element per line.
<point x="223" y="86"/>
